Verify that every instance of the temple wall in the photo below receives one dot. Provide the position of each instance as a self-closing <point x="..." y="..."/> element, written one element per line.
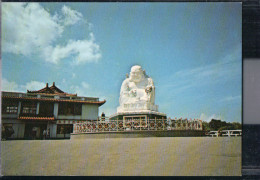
<point x="89" y="111"/>
<point x="70" y="117"/>
<point x="56" y="109"/>
<point x="20" y="130"/>
<point x="53" y="130"/>
<point x="17" y="126"/>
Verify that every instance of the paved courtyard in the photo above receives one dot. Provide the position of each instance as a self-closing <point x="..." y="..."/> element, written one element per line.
<point x="162" y="156"/>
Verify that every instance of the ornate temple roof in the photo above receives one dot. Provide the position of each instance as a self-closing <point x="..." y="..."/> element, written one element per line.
<point x="55" y="100"/>
<point x="51" y="91"/>
<point x="47" y="94"/>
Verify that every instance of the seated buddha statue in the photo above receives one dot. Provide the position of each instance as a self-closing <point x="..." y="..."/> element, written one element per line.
<point x="137" y="92"/>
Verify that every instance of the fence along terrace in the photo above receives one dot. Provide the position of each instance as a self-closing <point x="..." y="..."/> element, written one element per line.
<point x="131" y="124"/>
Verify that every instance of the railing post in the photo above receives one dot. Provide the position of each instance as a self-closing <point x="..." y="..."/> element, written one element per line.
<point x="103" y="126"/>
<point x="124" y="124"/>
<point x="117" y="124"/>
<point x="163" y="123"/>
<point x="140" y="124"/>
<point x="109" y="126"/>
<point x="91" y="125"/>
<point x="97" y="128"/>
<point x="132" y="124"/>
<point x="155" y="124"/>
<point x="148" y="124"/>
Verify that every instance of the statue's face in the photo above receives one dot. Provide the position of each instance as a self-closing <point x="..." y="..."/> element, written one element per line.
<point x="136" y="74"/>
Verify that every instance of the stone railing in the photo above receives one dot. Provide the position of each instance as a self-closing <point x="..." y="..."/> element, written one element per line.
<point x="134" y="125"/>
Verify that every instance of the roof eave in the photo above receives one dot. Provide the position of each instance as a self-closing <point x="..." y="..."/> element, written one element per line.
<point x="55" y="100"/>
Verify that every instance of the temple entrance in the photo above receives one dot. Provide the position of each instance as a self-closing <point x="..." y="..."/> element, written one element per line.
<point x="64" y="130"/>
<point x="135" y="122"/>
<point x="34" y="131"/>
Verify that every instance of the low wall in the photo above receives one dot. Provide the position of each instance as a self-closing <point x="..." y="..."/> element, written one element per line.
<point x="136" y="134"/>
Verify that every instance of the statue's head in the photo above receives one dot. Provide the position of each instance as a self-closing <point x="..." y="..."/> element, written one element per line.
<point x="136" y="74"/>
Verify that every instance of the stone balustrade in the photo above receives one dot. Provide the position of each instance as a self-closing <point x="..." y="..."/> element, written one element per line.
<point x="135" y="125"/>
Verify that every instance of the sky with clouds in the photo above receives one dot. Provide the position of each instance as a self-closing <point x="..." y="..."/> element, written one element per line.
<point x="192" y="51"/>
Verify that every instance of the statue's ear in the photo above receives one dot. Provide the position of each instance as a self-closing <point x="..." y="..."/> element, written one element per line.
<point x="145" y="74"/>
<point x="127" y="76"/>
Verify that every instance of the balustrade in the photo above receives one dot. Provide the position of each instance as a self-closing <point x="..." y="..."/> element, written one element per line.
<point x="133" y="125"/>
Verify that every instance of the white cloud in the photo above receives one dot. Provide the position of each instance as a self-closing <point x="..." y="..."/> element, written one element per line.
<point x="231" y="98"/>
<point x="70" y="16"/>
<point x="14" y="87"/>
<point x="9" y="86"/>
<point x="82" y="90"/>
<point x="83" y="51"/>
<point x="27" y="28"/>
<point x="73" y="75"/>
<point x="90" y="26"/>
<point x="207" y="118"/>
<point x="85" y="85"/>
<point x="33" y="85"/>
<point x="85" y="89"/>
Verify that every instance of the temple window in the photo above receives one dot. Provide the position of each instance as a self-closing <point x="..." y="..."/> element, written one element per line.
<point x="70" y="109"/>
<point x="29" y="107"/>
<point x="46" y="109"/>
<point x="10" y="107"/>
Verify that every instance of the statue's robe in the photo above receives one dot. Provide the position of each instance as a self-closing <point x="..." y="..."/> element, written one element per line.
<point x="133" y="92"/>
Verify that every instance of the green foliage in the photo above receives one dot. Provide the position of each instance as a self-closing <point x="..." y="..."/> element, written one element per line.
<point x="215" y="125"/>
<point x="225" y="128"/>
<point x="205" y="126"/>
<point x="237" y="125"/>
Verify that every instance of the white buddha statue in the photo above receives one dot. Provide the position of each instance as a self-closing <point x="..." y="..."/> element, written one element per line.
<point x="137" y="92"/>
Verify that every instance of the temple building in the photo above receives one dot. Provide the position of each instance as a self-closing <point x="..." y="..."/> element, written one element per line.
<point x="48" y="109"/>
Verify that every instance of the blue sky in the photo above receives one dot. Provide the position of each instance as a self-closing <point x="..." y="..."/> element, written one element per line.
<point x="191" y="50"/>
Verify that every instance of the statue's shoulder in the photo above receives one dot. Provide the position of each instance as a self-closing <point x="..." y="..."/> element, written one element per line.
<point x="150" y="80"/>
<point x="126" y="81"/>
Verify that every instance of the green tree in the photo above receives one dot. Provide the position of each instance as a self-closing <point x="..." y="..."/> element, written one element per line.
<point x="205" y="126"/>
<point x="215" y="124"/>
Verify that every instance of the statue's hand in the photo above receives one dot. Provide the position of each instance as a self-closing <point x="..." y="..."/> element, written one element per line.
<point x="133" y="92"/>
<point x="148" y="89"/>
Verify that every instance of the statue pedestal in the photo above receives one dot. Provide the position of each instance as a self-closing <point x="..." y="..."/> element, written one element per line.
<point x="137" y="107"/>
<point x="138" y="119"/>
<point x="138" y="114"/>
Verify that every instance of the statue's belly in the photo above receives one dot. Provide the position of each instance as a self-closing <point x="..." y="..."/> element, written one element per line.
<point x="141" y="94"/>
